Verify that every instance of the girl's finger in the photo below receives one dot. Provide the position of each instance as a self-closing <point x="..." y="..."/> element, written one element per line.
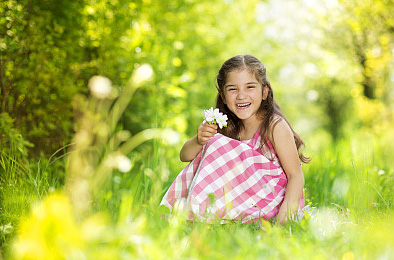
<point x="209" y="131"/>
<point x="213" y="126"/>
<point x="204" y="140"/>
<point x="207" y="137"/>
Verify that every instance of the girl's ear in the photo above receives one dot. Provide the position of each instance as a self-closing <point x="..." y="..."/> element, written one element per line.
<point x="265" y="92"/>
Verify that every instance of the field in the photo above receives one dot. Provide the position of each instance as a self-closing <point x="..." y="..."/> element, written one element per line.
<point x="75" y="205"/>
<point x="97" y="98"/>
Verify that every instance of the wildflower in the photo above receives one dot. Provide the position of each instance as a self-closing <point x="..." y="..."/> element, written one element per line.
<point x="100" y="87"/>
<point x="142" y="74"/>
<point x="123" y="163"/>
<point x="222" y="121"/>
<point x="215" y="117"/>
<point x="209" y="115"/>
<point x="170" y="136"/>
<point x="6" y="229"/>
<point x="119" y="161"/>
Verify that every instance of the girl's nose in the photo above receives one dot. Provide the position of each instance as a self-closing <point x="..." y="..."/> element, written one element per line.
<point x="241" y="94"/>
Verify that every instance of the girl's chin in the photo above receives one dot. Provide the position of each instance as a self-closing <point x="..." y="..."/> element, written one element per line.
<point x="242" y="116"/>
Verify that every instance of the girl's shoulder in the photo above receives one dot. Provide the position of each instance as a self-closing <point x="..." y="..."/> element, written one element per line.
<point x="277" y="124"/>
<point x="276" y="118"/>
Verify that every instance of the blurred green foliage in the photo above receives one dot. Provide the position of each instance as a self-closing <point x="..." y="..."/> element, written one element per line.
<point x="49" y="49"/>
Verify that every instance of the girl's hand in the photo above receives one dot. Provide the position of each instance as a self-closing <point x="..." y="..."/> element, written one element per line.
<point x="205" y="132"/>
<point x="286" y="213"/>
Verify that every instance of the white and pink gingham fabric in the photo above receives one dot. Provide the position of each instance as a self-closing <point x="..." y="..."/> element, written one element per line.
<point x="230" y="180"/>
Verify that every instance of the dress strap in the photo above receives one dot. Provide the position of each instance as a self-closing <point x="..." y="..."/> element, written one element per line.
<point x="255" y="139"/>
<point x="270" y="146"/>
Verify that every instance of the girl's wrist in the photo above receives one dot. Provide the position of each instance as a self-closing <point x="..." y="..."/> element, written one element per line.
<point x="197" y="142"/>
<point x="289" y="204"/>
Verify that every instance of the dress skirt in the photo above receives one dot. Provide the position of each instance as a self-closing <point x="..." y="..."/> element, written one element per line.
<point x="230" y="180"/>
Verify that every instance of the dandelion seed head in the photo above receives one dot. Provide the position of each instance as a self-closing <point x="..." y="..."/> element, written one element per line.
<point x="171" y="137"/>
<point x="312" y="95"/>
<point x="123" y="163"/>
<point x="142" y="74"/>
<point x="100" y="87"/>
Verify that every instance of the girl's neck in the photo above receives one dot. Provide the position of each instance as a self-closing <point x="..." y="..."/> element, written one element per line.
<point x="250" y="128"/>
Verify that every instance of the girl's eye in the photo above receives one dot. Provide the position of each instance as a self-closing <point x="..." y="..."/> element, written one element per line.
<point x="231" y="89"/>
<point x="251" y="86"/>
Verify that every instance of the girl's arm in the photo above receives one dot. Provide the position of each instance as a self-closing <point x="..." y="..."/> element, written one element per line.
<point x="287" y="153"/>
<point x="193" y="146"/>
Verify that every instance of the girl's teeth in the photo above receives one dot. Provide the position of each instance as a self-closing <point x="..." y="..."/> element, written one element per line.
<point x="244" y="105"/>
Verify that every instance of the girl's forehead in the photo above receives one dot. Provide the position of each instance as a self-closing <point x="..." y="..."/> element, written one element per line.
<point x="240" y="75"/>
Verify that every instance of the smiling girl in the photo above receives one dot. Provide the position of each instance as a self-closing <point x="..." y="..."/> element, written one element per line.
<point x="250" y="170"/>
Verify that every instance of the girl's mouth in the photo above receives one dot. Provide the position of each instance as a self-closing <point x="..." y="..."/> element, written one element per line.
<point x="243" y="106"/>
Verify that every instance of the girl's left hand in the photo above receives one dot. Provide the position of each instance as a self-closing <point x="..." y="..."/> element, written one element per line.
<point x="286" y="212"/>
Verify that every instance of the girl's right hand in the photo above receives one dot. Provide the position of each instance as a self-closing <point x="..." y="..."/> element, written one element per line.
<point x="205" y="132"/>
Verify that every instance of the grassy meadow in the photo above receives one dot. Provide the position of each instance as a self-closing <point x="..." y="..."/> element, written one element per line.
<point x="97" y="98"/>
<point x="78" y="204"/>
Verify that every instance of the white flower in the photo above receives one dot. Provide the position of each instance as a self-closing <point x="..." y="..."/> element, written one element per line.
<point x="122" y="163"/>
<point x="215" y="117"/>
<point x="209" y="115"/>
<point x="6" y="229"/>
<point x="216" y="113"/>
<point x="142" y="74"/>
<point x="222" y="121"/>
<point x="170" y="136"/>
<point x="100" y="87"/>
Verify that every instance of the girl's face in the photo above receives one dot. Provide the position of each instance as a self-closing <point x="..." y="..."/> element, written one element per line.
<point x="243" y="95"/>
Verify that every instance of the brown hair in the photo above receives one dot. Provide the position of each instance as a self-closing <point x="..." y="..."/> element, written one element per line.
<point x="268" y="108"/>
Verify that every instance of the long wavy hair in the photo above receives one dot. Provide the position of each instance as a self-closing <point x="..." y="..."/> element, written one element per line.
<point x="268" y="107"/>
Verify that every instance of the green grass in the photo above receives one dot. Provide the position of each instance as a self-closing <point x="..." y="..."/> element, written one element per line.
<point x="351" y="184"/>
<point x="21" y="185"/>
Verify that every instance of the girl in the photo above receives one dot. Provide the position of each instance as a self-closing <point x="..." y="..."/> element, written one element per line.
<point x="249" y="170"/>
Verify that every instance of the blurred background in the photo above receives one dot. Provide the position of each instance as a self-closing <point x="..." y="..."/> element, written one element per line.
<point x="330" y="64"/>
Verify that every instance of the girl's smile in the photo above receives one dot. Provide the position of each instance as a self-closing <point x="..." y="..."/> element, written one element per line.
<point x="243" y="106"/>
<point x="243" y="95"/>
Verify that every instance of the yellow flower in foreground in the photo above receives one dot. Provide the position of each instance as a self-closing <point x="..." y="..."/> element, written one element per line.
<point x="50" y="232"/>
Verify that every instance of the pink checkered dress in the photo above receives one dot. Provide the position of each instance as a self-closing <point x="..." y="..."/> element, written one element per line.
<point x="230" y="180"/>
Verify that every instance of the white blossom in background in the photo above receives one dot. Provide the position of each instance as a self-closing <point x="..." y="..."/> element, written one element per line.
<point x="171" y="136"/>
<point x="215" y="117"/>
<point x="100" y="87"/>
<point x="119" y="161"/>
<point x="6" y="229"/>
<point x="142" y="74"/>
<point x="312" y="95"/>
<point x="123" y="163"/>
